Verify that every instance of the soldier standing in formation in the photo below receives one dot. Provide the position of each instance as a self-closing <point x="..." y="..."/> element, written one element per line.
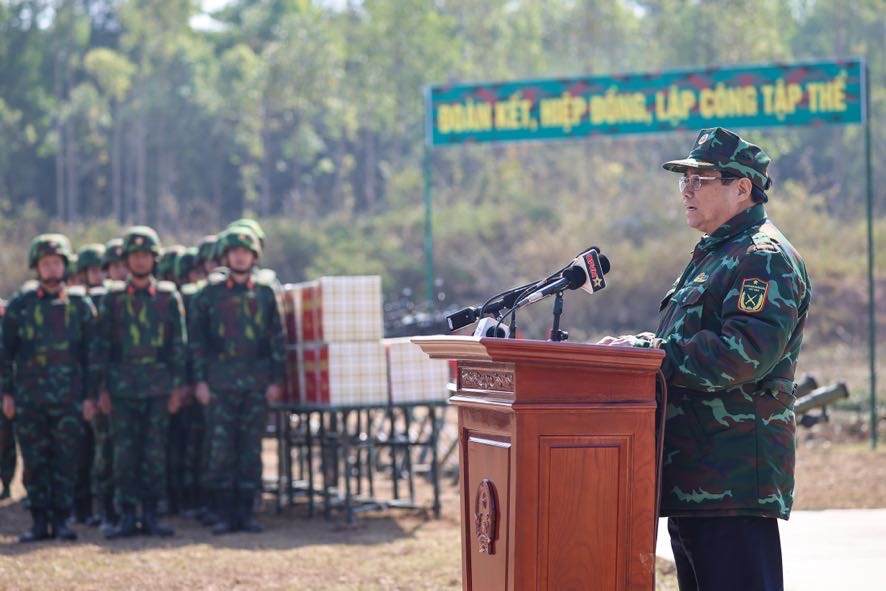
<point x="141" y="349"/>
<point x="238" y="356"/>
<point x="90" y="276"/>
<point x="7" y="437"/>
<point x="46" y="384"/>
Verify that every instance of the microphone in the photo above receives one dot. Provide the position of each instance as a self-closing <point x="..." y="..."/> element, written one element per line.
<point x="585" y="272"/>
<point x="469" y="315"/>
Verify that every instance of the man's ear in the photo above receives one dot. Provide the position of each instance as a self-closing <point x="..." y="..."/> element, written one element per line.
<point x="745" y="190"/>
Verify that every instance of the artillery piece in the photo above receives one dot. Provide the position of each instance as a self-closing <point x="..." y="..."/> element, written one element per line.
<point x="810" y="397"/>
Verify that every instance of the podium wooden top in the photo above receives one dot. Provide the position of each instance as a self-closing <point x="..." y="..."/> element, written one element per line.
<point x="539" y="352"/>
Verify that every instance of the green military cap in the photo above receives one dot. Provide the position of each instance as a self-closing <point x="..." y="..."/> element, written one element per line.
<point x="720" y="149"/>
<point x="141" y="238"/>
<point x="206" y="248"/>
<point x="252" y="225"/>
<point x="239" y="236"/>
<point x="113" y="251"/>
<point x="90" y="255"/>
<point x="49" y="244"/>
<point x="166" y="263"/>
<point x="185" y="262"/>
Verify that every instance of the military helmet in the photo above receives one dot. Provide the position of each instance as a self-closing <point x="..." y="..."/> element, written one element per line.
<point x="71" y="266"/>
<point x="48" y="244"/>
<point x="166" y="264"/>
<point x="239" y="236"/>
<point x="90" y="255"/>
<point x="252" y="225"/>
<point x="206" y="248"/>
<point x="113" y="252"/>
<point x="141" y="238"/>
<point x="185" y="262"/>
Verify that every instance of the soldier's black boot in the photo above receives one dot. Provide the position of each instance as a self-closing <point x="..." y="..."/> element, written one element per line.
<point x="211" y="516"/>
<point x="150" y="526"/>
<point x="128" y="526"/>
<point x="246" y="517"/>
<point x="226" y="505"/>
<point x="60" y="528"/>
<point x="109" y="514"/>
<point x="38" y="531"/>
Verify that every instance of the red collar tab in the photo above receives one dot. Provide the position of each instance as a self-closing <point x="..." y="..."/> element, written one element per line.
<point x="151" y="289"/>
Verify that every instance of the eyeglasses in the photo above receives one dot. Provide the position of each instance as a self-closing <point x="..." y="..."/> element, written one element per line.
<point x="694" y="182"/>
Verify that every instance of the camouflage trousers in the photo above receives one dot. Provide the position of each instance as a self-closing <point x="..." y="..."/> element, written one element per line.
<point x="175" y="458"/>
<point x="194" y="416"/>
<point x="85" y="457"/>
<point x="7" y="450"/>
<point x="49" y="436"/>
<point x="103" y="466"/>
<point x="237" y="419"/>
<point x="138" y="428"/>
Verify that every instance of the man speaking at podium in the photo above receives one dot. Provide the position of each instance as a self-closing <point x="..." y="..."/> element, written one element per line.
<point x="731" y="329"/>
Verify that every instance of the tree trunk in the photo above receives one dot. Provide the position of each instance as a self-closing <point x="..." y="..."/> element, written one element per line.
<point x="116" y="165"/>
<point x="141" y="163"/>
<point x="370" y="165"/>
<point x="72" y="175"/>
<point x="265" y="203"/>
<point x="60" y="133"/>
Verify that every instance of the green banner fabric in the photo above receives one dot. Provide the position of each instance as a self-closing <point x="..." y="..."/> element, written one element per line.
<point x="813" y="93"/>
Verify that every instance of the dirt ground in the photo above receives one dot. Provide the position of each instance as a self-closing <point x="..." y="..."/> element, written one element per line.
<point x="385" y="550"/>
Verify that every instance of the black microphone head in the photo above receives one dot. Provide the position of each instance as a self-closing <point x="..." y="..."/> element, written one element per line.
<point x="576" y="277"/>
<point x="462" y="318"/>
<point x="604" y="263"/>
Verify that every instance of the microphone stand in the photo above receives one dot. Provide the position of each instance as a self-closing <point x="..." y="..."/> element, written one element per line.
<point x="558" y="335"/>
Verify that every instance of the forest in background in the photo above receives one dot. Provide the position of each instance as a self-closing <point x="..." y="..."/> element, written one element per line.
<point x="309" y="116"/>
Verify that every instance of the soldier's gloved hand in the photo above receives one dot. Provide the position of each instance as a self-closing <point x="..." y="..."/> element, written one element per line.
<point x="175" y="401"/>
<point x="274" y="393"/>
<point x="9" y="406"/>
<point x="201" y="392"/>
<point x="88" y="409"/>
<point x="104" y="402"/>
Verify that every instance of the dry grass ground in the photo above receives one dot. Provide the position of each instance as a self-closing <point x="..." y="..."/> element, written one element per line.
<point x="387" y="550"/>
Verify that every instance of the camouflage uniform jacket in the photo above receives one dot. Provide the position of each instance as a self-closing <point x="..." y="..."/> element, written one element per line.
<point x="731" y="328"/>
<point x="237" y="335"/>
<point x="46" y="355"/>
<point x="142" y="341"/>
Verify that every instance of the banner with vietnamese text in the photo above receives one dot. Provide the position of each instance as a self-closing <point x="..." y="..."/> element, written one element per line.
<point x="818" y="93"/>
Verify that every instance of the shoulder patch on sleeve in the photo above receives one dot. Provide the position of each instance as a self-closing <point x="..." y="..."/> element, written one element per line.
<point x="99" y="290"/>
<point x="189" y="289"/>
<point x="77" y="291"/>
<point x="752" y="295"/>
<point x="166" y="286"/>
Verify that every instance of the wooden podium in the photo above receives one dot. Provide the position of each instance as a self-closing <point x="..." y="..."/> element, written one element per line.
<point x="557" y="463"/>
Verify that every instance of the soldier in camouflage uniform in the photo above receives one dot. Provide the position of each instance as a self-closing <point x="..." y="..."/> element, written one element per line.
<point x="91" y="276"/>
<point x="114" y="267"/>
<point x="141" y="347"/>
<point x="189" y="274"/>
<point x="731" y="329"/>
<point x="7" y="436"/>
<point x="47" y="369"/>
<point x="166" y="262"/>
<point x="113" y="262"/>
<point x="237" y="346"/>
<point x="206" y="259"/>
